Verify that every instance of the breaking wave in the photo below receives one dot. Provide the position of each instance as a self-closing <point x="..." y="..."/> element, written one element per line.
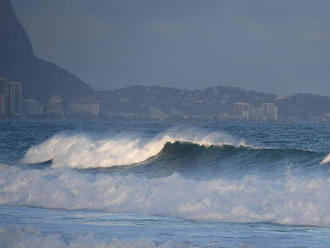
<point x="291" y="198"/>
<point x="173" y="151"/>
<point x="326" y="159"/>
<point x="83" y="151"/>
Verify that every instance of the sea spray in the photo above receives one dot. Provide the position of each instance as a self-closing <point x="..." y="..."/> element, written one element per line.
<point x="84" y="151"/>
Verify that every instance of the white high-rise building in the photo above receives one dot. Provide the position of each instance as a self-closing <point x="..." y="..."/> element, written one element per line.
<point x="242" y="110"/>
<point x="268" y="112"/>
<point x="11" y="98"/>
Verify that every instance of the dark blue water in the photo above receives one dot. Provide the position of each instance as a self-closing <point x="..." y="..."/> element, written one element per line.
<point x="138" y="184"/>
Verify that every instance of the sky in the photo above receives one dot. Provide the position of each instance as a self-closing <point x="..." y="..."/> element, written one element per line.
<point x="281" y="46"/>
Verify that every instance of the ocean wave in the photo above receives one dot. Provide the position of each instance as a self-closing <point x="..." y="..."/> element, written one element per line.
<point x="292" y="200"/>
<point x="84" y="151"/>
<point x="174" y="150"/>
<point x="180" y="149"/>
<point x="326" y="159"/>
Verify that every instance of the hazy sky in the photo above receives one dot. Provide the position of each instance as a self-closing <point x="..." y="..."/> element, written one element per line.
<point x="280" y="46"/>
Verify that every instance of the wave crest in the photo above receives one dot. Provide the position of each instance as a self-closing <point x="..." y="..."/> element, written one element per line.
<point x="83" y="151"/>
<point x="326" y="159"/>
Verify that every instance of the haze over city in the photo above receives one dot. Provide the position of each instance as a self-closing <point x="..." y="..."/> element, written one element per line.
<point x="281" y="47"/>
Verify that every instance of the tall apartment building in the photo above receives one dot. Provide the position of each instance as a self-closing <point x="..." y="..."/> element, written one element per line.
<point x="3" y="104"/>
<point x="268" y="112"/>
<point x="242" y="110"/>
<point x="10" y="98"/>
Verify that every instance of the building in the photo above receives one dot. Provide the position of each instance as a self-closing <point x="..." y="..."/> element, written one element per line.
<point x="10" y="98"/>
<point x="84" y="109"/>
<point x="242" y="110"/>
<point x="265" y="112"/>
<point x="55" y="107"/>
<point x="268" y="112"/>
<point x="3" y="104"/>
<point x="31" y="107"/>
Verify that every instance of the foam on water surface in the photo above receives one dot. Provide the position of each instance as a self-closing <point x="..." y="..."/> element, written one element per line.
<point x="291" y="200"/>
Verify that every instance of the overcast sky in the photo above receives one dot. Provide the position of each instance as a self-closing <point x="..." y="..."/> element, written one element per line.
<point x="280" y="46"/>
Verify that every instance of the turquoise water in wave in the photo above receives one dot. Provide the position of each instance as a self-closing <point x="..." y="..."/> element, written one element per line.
<point x="138" y="184"/>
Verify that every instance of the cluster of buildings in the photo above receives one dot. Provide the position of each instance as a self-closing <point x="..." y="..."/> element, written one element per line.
<point x="13" y="105"/>
<point x="57" y="108"/>
<point x="265" y="112"/>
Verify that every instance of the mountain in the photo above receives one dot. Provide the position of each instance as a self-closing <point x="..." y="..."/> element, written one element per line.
<point x="40" y="79"/>
<point x="303" y="107"/>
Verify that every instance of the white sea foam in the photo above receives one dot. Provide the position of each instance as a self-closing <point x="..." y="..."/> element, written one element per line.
<point x="84" y="151"/>
<point x="326" y="159"/>
<point x="289" y="200"/>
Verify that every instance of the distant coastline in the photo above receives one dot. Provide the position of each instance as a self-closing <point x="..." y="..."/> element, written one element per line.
<point x="31" y="88"/>
<point x="157" y="103"/>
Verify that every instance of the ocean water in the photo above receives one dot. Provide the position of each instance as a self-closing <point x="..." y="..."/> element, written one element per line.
<point x="155" y="184"/>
